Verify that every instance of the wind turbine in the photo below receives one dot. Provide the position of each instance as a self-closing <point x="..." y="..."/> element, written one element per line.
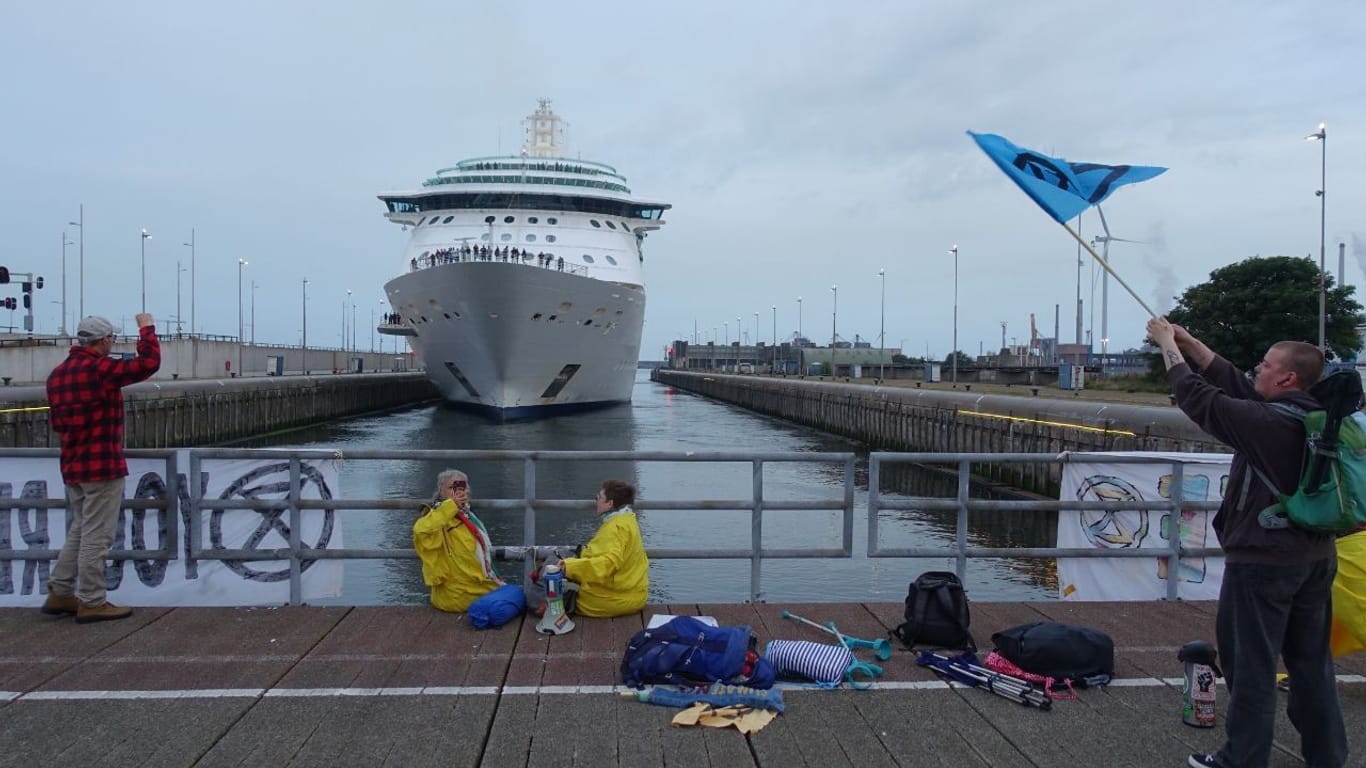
<point x="1104" y="241"/>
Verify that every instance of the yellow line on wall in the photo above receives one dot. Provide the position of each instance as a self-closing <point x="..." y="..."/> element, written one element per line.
<point x="1051" y="423"/>
<point x="24" y="410"/>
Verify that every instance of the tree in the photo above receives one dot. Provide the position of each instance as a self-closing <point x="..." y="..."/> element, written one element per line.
<point x="1248" y="306"/>
<point x="963" y="360"/>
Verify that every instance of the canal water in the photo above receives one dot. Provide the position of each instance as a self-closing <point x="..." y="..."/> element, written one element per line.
<point x="661" y="418"/>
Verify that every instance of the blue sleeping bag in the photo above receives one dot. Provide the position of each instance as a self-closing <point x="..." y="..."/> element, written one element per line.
<point x="498" y="607"/>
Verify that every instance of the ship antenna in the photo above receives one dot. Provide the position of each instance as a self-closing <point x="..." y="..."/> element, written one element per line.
<point x="544" y="132"/>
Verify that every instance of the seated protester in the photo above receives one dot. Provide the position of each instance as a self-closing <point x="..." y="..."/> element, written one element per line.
<point x="612" y="570"/>
<point x="454" y="547"/>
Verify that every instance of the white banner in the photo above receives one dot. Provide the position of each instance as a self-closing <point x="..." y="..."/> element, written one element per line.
<point x="1140" y="578"/>
<point x="181" y="581"/>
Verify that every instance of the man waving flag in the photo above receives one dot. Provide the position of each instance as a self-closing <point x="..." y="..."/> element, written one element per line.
<point x="1064" y="190"/>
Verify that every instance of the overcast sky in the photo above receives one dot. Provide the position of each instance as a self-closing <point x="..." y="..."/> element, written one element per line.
<point x="802" y="145"/>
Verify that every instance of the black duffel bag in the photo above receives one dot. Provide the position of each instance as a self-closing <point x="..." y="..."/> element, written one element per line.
<point x="1058" y="650"/>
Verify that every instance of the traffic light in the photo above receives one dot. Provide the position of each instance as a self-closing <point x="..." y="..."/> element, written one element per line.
<point x="40" y="281"/>
<point x="28" y="301"/>
<point x="4" y="274"/>
<point x="26" y="287"/>
<point x="9" y="303"/>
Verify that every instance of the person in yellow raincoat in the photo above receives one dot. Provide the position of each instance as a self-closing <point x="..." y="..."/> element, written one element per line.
<point x="454" y="547"/>
<point x="612" y="570"/>
<point x="1349" y="597"/>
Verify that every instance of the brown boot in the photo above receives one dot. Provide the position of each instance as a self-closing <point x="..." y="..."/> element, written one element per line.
<point x="60" y="605"/>
<point x="106" y="612"/>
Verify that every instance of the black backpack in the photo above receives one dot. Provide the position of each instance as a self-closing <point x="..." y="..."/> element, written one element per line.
<point x="936" y="613"/>
<point x="1055" y="649"/>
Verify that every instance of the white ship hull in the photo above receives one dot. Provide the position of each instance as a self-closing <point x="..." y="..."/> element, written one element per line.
<point x="519" y="340"/>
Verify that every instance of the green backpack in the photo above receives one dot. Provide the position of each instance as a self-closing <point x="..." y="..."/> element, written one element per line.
<point x="1331" y="495"/>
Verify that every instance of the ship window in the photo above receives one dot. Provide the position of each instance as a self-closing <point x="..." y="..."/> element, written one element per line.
<point x="488" y="219"/>
<point x="550" y="238"/>
<point x="531" y="238"/>
<point x="509" y="219"/>
<point x="610" y="225"/>
<point x="611" y="260"/>
<point x="447" y="220"/>
<point x="587" y="259"/>
<point x="505" y="237"/>
<point x="595" y="223"/>
<point x="532" y="220"/>
<point x="484" y="237"/>
<point x="626" y="226"/>
<point x="552" y="220"/>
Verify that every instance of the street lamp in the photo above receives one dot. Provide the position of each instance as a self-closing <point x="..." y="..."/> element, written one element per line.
<point x="178" y="270"/>
<point x="253" y="313"/>
<point x="1322" y="137"/>
<point x="739" y="336"/>
<point x="882" y="325"/>
<point x="343" y="330"/>
<point x="774" y="355"/>
<point x="953" y="352"/>
<point x="145" y="237"/>
<point x="240" y="264"/>
<point x="303" y="339"/>
<point x="190" y="245"/>
<point x="81" y="224"/>
<point x="834" y="316"/>
<point x="799" y="317"/>
<point x="65" y="243"/>
<point x="756" y="329"/>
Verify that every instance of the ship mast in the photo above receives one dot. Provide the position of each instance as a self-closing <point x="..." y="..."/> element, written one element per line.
<point x="544" y="132"/>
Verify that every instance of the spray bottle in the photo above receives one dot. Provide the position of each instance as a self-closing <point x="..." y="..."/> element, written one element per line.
<point x="1197" y="693"/>
<point x="555" y="621"/>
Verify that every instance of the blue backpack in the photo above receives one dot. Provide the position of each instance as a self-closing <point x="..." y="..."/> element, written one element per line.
<point x="685" y="651"/>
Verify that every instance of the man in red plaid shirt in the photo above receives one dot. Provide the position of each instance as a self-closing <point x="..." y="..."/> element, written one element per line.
<point x="86" y="408"/>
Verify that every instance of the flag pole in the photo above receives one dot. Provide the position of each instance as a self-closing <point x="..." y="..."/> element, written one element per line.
<point x="1106" y="265"/>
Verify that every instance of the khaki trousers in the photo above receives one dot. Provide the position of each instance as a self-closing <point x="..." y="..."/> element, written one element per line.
<point x="93" y="509"/>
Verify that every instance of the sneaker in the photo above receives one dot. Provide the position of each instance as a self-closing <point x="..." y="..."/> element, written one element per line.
<point x="86" y="614"/>
<point x="1202" y="761"/>
<point x="60" y="605"/>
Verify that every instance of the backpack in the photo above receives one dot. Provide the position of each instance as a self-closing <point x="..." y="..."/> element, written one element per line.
<point x="685" y="651"/>
<point x="1057" y="650"/>
<point x="1331" y="494"/>
<point x="936" y="613"/>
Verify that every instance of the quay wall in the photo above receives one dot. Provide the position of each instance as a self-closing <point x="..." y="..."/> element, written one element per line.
<point x="923" y="420"/>
<point x="170" y="414"/>
<point x="30" y="360"/>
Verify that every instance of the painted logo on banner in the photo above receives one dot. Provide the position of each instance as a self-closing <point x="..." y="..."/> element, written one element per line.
<point x="184" y="580"/>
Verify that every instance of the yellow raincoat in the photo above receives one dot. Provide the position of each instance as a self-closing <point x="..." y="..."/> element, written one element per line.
<point x="612" y="571"/>
<point x="1349" y="596"/>
<point x="455" y="562"/>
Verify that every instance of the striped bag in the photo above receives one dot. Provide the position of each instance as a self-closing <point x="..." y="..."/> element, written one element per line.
<point x="822" y="664"/>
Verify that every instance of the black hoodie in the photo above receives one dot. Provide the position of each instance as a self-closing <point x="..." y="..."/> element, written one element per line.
<point x="1223" y="402"/>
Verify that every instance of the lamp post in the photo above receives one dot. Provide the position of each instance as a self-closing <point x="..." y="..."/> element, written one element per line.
<point x="882" y="325"/>
<point x="799" y="317"/>
<point x="241" y="263"/>
<point x="253" y="313"/>
<point x="774" y="355"/>
<point x="80" y="222"/>
<point x="739" y="336"/>
<point x="343" y="334"/>
<point x="65" y="243"/>
<point x="303" y="339"/>
<point x="190" y="245"/>
<point x="953" y="352"/>
<point x="834" y="318"/>
<point x="756" y="330"/>
<point x="1321" y="136"/>
<point x="178" y="270"/>
<point x="145" y="237"/>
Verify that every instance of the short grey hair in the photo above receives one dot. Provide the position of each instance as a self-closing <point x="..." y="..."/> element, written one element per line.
<point x="446" y="477"/>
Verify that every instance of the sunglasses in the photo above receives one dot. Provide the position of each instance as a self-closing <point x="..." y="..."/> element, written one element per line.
<point x="459" y="485"/>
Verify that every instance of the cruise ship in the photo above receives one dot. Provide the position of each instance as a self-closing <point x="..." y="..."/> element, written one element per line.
<point x="522" y="285"/>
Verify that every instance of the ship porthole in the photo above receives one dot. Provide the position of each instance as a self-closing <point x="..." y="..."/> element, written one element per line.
<point x="536" y="316"/>
<point x="589" y="321"/>
<point x="611" y="260"/>
<point x="565" y="306"/>
<point x="493" y="315"/>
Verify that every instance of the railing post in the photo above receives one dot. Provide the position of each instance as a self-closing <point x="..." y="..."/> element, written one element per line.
<point x="756" y="530"/>
<point x="296" y="521"/>
<point x="172" y="540"/>
<point x="195" y="531"/>
<point x="848" y="527"/>
<point x="1175" y="546"/>
<point x="874" y="482"/>
<point x="960" y="541"/>
<point x="528" y="516"/>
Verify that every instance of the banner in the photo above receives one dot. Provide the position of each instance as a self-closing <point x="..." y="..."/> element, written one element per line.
<point x="1205" y="476"/>
<point x="182" y="581"/>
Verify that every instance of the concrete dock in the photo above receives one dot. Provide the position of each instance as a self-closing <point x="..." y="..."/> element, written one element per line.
<point x="410" y="686"/>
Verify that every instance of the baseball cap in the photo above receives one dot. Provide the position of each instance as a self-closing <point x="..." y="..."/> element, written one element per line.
<point x="94" y="328"/>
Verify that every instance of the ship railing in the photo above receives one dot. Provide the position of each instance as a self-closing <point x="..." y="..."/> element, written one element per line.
<point x="281" y="485"/>
<point x="419" y="264"/>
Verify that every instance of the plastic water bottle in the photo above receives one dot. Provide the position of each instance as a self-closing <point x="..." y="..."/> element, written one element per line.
<point x="554" y="581"/>
<point x="1197" y="692"/>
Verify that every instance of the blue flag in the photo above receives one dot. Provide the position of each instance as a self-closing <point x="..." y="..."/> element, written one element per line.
<point x="1061" y="188"/>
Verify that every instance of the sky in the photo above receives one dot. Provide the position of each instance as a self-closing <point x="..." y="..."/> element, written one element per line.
<point x="803" y="145"/>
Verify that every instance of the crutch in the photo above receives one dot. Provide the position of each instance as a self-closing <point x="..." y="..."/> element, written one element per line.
<point x="857" y="668"/>
<point x="882" y="648"/>
<point x="1005" y="686"/>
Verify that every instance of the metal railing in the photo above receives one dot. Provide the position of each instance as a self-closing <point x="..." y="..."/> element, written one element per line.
<point x="173" y="504"/>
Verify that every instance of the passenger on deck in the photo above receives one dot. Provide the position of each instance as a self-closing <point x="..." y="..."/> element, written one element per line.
<point x="612" y="570"/>
<point x="453" y="545"/>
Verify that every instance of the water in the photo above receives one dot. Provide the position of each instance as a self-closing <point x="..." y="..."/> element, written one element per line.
<point x="663" y="419"/>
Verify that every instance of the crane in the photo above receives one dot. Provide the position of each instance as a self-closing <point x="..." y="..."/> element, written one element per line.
<point x="1033" y="336"/>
